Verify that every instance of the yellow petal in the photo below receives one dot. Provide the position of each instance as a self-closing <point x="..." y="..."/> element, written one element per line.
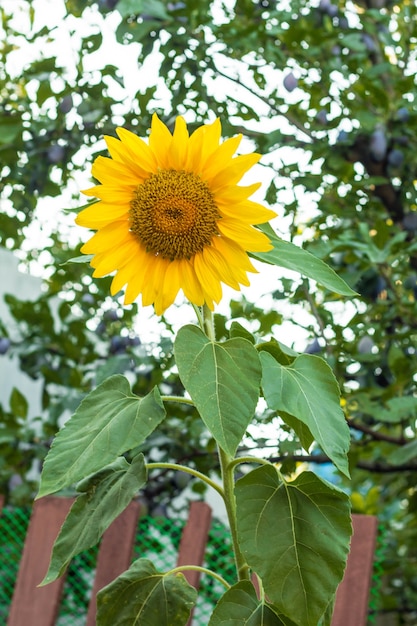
<point x="236" y="193"/>
<point x="108" y="171"/>
<point x="130" y="271"/>
<point x="99" y="214"/>
<point x="170" y="288"/>
<point x="120" y="153"/>
<point x="138" y="149"/>
<point x="221" y="157"/>
<point x="114" y="194"/>
<point x="232" y="174"/>
<point x="111" y="235"/>
<point x="249" y="211"/>
<point x="190" y="283"/>
<point x="210" y="283"/>
<point x="160" y="142"/>
<point x="247" y="237"/>
<point x="218" y="265"/>
<point x="138" y="275"/>
<point x="154" y="280"/>
<point x="202" y="143"/>
<point x="235" y="256"/>
<point x="109" y="261"/>
<point x="179" y="145"/>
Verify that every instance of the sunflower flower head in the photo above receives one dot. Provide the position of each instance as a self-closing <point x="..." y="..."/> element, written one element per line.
<point x="172" y="216"/>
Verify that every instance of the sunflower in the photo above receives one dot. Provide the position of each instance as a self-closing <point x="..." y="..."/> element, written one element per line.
<point x="171" y="215"/>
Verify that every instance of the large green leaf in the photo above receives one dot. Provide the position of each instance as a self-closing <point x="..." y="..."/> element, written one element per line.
<point x="295" y="536"/>
<point x="106" y="495"/>
<point x="239" y="606"/>
<point x="144" y="597"/>
<point x="286" y="254"/>
<point x="308" y="390"/>
<point x="109" y="421"/>
<point x="222" y="379"/>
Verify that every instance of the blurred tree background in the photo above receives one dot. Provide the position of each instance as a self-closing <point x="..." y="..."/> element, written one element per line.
<point x="327" y="93"/>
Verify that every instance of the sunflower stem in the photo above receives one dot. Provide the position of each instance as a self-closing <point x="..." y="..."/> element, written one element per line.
<point x="230" y="503"/>
<point x="208" y="321"/>
<point x="187" y="470"/>
<point x="227" y="464"/>
<point x="200" y="316"/>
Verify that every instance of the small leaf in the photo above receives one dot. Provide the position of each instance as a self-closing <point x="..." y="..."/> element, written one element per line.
<point x="237" y="330"/>
<point x="85" y="258"/>
<point x="308" y="390"/>
<point x="239" y="606"/>
<point x="105" y="495"/>
<point x="109" y="422"/>
<point x="281" y="353"/>
<point x="286" y="254"/>
<point x="18" y="403"/>
<point x="222" y="379"/>
<point x="129" y="7"/>
<point x="295" y="536"/>
<point x="144" y="597"/>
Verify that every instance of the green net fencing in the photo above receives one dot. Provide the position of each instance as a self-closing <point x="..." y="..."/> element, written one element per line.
<point x="157" y="539"/>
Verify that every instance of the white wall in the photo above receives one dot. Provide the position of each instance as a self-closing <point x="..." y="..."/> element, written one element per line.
<point x="25" y="287"/>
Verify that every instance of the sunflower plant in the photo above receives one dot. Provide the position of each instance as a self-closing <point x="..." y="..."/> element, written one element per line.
<point x="170" y="216"/>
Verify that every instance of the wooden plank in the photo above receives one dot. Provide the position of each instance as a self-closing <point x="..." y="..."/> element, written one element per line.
<point x="193" y="542"/>
<point x="352" y="597"/>
<point x="115" y="554"/>
<point x="30" y="604"/>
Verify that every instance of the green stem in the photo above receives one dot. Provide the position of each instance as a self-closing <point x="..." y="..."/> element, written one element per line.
<point x="226" y="464"/>
<point x="208" y="322"/>
<point x="179" y="399"/>
<point x="187" y="470"/>
<point x="248" y="459"/>
<point x="203" y="570"/>
<point x="199" y="315"/>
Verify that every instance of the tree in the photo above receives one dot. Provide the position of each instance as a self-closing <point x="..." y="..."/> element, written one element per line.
<point x="327" y="93"/>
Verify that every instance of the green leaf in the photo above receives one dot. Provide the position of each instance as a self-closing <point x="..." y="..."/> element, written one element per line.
<point x="237" y="330"/>
<point x="281" y="353"/>
<point x="239" y="606"/>
<point x="129" y="7"/>
<point x="286" y="254"/>
<point x="18" y="403"/>
<point x="144" y="597"/>
<point x="84" y="258"/>
<point x="222" y="379"/>
<point x="109" y="422"/>
<point x="301" y="430"/>
<point x="105" y="495"/>
<point x="398" y="410"/>
<point x="295" y="536"/>
<point x="308" y="390"/>
<point x="404" y="454"/>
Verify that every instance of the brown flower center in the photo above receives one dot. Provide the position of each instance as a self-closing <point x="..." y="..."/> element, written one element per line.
<point x="173" y="214"/>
